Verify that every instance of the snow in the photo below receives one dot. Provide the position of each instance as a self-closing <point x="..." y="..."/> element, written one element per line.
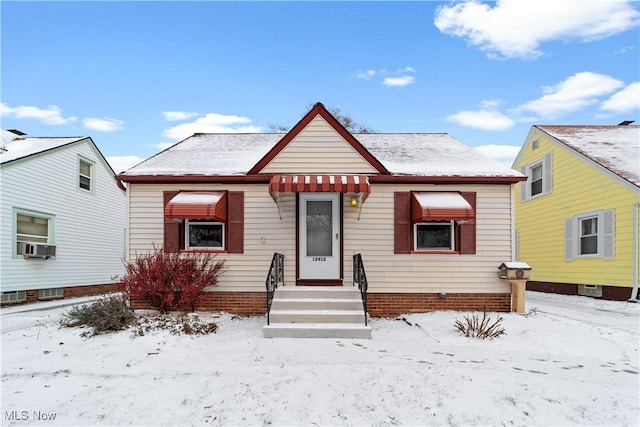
<point x="570" y="361"/>
<point x="617" y="148"/>
<point x="196" y="198"/>
<point x="418" y="154"/>
<point x="24" y="147"/>
<point x="443" y="200"/>
<point x="517" y="265"/>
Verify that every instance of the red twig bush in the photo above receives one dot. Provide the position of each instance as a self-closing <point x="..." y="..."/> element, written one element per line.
<point x="170" y="280"/>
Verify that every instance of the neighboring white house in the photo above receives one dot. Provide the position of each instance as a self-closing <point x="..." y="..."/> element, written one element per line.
<point x="62" y="219"/>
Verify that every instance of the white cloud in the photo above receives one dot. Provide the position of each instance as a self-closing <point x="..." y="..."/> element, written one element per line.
<point x="516" y="28"/>
<point x="366" y="75"/>
<point x="52" y="115"/>
<point x="574" y="93"/>
<point x="628" y="99"/>
<point x="504" y="154"/>
<point x="178" y="115"/>
<point x="212" y="123"/>
<point x="398" y="81"/>
<point x="122" y="163"/>
<point x="105" y="124"/>
<point x="483" y="119"/>
<point x="163" y="145"/>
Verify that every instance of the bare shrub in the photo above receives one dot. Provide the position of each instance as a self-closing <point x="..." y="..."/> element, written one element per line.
<point x="480" y="328"/>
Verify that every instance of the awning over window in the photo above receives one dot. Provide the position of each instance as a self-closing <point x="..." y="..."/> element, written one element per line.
<point x="197" y="205"/>
<point x="440" y="207"/>
<point x="320" y="184"/>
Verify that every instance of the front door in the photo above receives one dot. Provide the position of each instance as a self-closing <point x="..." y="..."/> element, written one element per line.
<point x="319" y="244"/>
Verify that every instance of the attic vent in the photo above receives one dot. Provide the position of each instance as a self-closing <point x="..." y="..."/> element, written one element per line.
<point x="590" y="290"/>
<point x="626" y="123"/>
<point x="535" y="144"/>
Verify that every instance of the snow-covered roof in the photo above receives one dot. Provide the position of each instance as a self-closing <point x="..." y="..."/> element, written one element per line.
<point x="18" y="148"/>
<point x="617" y="148"/>
<point x="420" y="154"/>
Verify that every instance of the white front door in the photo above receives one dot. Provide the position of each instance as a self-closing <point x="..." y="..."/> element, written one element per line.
<point x="319" y="245"/>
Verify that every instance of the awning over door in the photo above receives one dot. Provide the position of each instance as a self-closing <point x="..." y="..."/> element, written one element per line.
<point x="197" y="205"/>
<point x="320" y="184"/>
<point x="434" y="206"/>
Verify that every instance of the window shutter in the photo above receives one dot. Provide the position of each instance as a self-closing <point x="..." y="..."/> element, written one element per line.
<point x="402" y="223"/>
<point x="608" y="234"/>
<point x="235" y="222"/>
<point x="468" y="231"/>
<point x="524" y="185"/>
<point x="548" y="176"/>
<point x="568" y="239"/>
<point x="171" y="227"/>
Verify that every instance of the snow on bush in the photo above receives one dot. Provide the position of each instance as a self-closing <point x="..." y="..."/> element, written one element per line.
<point x="485" y="328"/>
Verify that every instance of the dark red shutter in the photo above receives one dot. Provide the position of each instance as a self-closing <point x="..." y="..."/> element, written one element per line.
<point x="235" y="222"/>
<point x="402" y="223"/>
<point x="468" y="231"/>
<point x="171" y="227"/>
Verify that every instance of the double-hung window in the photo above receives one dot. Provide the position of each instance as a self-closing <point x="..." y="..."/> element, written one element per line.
<point x="32" y="228"/>
<point x="590" y="235"/>
<point x="539" y="178"/>
<point x="85" y="174"/>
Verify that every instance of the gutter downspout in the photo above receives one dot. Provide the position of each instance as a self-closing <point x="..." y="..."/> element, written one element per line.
<point x="634" y="291"/>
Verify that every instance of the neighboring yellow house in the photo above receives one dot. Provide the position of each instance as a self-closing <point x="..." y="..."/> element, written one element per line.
<point x="577" y="213"/>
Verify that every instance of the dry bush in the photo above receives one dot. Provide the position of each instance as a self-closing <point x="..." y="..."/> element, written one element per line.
<point x="480" y="328"/>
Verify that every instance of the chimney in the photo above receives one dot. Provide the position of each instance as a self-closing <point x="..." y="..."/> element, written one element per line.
<point x="626" y="123"/>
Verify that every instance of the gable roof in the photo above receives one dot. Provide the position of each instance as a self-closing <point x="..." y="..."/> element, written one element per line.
<point x="242" y="156"/>
<point x="615" y="148"/>
<point x="21" y="147"/>
<point x="319" y="110"/>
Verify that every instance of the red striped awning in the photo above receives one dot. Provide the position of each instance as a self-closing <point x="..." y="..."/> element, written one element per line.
<point x="320" y="184"/>
<point x="197" y="205"/>
<point x="436" y="206"/>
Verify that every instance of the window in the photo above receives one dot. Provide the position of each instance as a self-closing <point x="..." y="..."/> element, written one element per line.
<point x="434" y="236"/>
<point x="536" y="179"/>
<point x="204" y="235"/>
<point x="14" y="296"/>
<point x="85" y="174"/>
<point x="590" y="235"/>
<point x="31" y="227"/>
<point x="50" y="293"/>
<point x="432" y="222"/>
<point x="539" y="178"/>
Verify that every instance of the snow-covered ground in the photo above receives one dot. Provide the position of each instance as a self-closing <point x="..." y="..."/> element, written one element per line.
<point x="570" y="361"/>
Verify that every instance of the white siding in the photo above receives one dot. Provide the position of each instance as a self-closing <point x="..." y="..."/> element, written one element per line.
<point x="318" y="148"/>
<point x="371" y="235"/>
<point x="90" y="226"/>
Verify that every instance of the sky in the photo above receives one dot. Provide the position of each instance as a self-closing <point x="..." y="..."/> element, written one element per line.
<point x="571" y="361"/>
<point x="140" y="76"/>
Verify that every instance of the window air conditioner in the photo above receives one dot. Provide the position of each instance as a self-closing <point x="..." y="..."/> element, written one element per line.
<point x="38" y="250"/>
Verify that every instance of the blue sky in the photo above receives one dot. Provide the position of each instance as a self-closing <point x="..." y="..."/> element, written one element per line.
<point x="139" y="76"/>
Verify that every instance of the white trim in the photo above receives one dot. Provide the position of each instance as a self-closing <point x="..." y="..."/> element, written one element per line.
<point x="546" y="177"/>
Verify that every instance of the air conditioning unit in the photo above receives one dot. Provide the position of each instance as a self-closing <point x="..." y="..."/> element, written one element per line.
<point x="38" y="250"/>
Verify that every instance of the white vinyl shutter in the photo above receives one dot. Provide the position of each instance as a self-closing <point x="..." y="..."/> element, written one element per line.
<point x="608" y="234"/>
<point x="524" y="185"/>
<point x="547" y="175"/>
<point x="568" y="239"/>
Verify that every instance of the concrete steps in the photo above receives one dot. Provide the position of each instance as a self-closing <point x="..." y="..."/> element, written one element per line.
<point x="317" y="312"/>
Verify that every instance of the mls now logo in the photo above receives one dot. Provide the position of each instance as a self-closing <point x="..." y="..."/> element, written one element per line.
<point x="29" y="415"/>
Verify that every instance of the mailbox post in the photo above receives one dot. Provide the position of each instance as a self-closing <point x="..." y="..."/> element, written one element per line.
<point x="517" y="274"/>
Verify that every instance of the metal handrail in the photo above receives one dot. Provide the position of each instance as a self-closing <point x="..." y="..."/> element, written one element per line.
<point x="360" y="277"/>
<point x="274" y="277"/>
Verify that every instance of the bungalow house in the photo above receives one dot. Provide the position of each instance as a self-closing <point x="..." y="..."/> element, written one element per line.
<point x="62" y="219"/>
<point x="577" y="213"/>
<point x="430" y="218"/>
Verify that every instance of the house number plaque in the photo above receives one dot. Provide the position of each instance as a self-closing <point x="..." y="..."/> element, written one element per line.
<point x="319" y="258"/>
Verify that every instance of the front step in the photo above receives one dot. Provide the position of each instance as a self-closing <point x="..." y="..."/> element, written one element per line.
<point x="317" y="312"/>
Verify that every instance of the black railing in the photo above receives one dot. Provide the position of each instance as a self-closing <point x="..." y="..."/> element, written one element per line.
<point x="275" y="277"/>
<point x="360" y="277"/>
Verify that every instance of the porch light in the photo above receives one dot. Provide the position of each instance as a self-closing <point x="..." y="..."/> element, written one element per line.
<point x="354" y="201"/>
